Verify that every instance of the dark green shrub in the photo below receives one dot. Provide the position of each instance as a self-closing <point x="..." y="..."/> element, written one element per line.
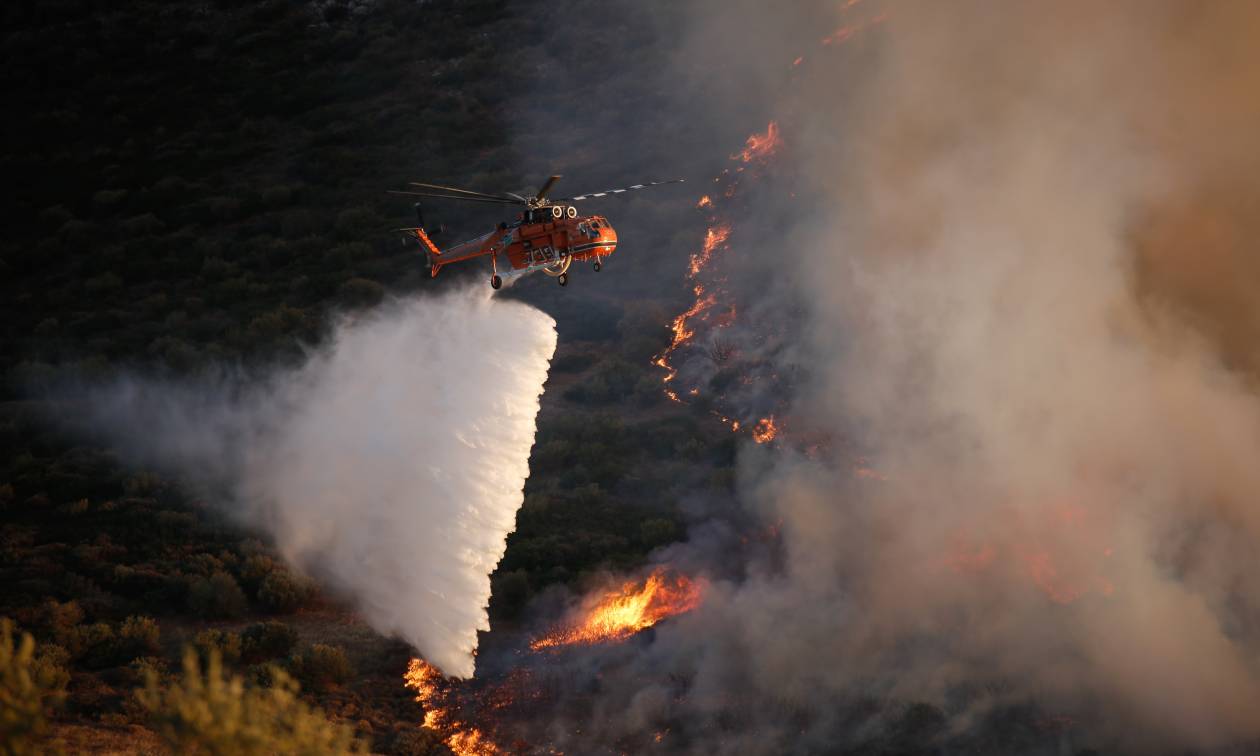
<point x="658" y="532"/>
<point x="225" y="643"/>
<point x="216" y="596"/>
<point x="322" y="665"/>
<point x="95" y="644"/>
<point x="30" y="685"/>
<point x="267" y="640"/>
<point x="138" y="636"/>
<point x="283" y="591"/>
<point x="217" y="713"/>
<point x="361" y="292"/>
<point x="255" y="569"/>
<point x="510" y="592"/>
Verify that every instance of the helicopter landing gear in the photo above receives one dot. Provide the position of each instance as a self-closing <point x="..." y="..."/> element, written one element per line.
<point x="563" y="279"/>
<point x="495" y="281"/>
<point x="598" y="267"/>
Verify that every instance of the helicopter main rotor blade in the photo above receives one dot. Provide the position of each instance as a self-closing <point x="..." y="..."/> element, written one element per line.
<point x="607" y="192"/>
<point x="488" y="200"/>
<point x="542" y="193"/>
<point x="459" y="191"/>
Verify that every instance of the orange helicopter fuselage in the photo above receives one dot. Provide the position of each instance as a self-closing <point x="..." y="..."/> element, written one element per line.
<point x="549" y="245"/>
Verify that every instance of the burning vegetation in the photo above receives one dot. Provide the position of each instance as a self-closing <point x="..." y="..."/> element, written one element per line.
<point x="714" y="306"/>
<point x="765" y="431"/>
<point x="760" y="146"/>
<point x="618" y="614"/>
<point x="452" y="706"/>
<point x="438" y="696"/>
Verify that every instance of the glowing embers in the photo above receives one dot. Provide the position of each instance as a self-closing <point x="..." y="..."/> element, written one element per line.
<point x="765" y="431"/>
<point x="436" y="694"/>
<point x="846" y="31"/>
<point x="1063" y="551"/>
<point x="620" y="613"/>
<point x="760" y="146"/>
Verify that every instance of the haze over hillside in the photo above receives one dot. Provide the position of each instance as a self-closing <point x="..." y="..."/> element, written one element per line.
<point x="920" y="419"/>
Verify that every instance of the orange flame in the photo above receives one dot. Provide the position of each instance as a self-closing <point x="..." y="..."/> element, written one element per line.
<point x="1062" y="576"/>
<point x="705" y="201"/>
<point x="765" y="430"/>
<point x="846" y="31"/>
<point x="760" y="146"/>
<point x="839" y="35"/>
<point x="431" y="688"/>
<point x="715" y="237"/>
<point x="636" y="606"/>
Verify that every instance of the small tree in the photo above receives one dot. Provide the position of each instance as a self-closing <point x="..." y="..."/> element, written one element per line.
<point x="139" y="636"/>
<point x="216" y="713"/>
<point x="225" y="643"/>
<point x="322" y="665"/>
<point x="29" y="686"/>
<point x="217" y="596"/>
<point x="282" y="591"/>
<point x="267" y="640"/>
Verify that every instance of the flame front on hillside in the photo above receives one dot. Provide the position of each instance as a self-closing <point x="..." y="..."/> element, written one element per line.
<point x="433" y="692"/>
<point x="620" y="613"/>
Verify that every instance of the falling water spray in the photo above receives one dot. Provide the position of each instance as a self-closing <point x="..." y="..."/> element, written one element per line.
<point x="390" y="465"/>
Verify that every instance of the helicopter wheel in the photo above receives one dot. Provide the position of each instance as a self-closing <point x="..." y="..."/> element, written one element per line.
<point x="495" y="282"/>
<point x="598" y="267"/>
<point x="563" y="279"/>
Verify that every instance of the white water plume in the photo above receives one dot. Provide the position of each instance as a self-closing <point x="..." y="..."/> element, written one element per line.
<point x="391" y="464"/>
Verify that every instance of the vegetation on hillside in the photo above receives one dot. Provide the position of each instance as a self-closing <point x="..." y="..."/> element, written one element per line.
<point x="199" y="186"/>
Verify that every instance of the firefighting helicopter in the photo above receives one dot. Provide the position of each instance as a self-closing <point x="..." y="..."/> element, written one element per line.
<point x="547" y="235"/>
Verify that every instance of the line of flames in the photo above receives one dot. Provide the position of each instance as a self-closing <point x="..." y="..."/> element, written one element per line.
<point x="612" y="616"/>
<point x="759" y="147"/>
<point x="432" y="690"/>
<point x="635" y="606"/>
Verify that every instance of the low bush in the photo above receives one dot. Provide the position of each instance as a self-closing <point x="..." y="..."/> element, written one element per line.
<point x="216" y="596"/>
<point x="139" y="636"/>
<point x="267" y="640"/>
<point x="225" y="643"/>
<point x="322" y="665"/>
<point x="217" y="713"/>
<point x="30" y="685"/>
<point x="283" y="591"/>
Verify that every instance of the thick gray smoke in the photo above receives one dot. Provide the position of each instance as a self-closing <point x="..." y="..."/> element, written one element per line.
<point x="1030" y="301"/>
<point x="1070" y="463"/>
<point x="391" y="465"/>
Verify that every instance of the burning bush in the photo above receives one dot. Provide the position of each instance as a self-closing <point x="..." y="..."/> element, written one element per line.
<point x="635" y="606"/>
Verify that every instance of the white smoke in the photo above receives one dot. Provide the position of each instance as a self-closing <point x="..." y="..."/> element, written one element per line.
<point x="391" y="464"/>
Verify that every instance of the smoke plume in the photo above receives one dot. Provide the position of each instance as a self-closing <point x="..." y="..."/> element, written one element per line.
<point x="390" y="465"/>
<point x="1020" y="246"/>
